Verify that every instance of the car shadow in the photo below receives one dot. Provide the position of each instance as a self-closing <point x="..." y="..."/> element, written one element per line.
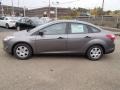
<point x="10" y="29"/>
<point x="74" y="56"/>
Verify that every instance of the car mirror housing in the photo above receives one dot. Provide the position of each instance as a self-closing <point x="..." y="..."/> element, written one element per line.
<point x="41" y="33"/>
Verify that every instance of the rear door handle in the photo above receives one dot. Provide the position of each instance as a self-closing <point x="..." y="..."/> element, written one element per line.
<point x="60" y="38"/>
<point x="87" y="37"/>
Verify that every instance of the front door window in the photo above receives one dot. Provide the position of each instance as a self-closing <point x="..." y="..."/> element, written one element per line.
<point x="55" y="29"/>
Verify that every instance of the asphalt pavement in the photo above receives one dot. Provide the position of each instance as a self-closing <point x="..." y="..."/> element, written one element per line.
<point x="59" y="72"/>
<point x="2" y="29"/>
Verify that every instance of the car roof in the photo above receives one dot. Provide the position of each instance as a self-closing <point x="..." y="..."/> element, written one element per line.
<point x="76" y="21"/>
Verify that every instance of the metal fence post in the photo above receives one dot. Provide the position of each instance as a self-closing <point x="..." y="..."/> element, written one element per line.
<point x="102" y="20"/>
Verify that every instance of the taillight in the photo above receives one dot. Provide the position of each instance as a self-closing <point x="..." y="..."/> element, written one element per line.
<point x="111" y="36"/>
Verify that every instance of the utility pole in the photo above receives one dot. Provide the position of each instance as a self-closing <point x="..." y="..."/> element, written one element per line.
<point x="49" y="9"/>
<point x="2" y="10"/>
<point x="24" y="11"/>
<point x="13" y="13"/>
<point x="56" y="11"/>
<point x="103" y="6"/>
<point x="18" y="8"/>
<point x="102" y="12"/>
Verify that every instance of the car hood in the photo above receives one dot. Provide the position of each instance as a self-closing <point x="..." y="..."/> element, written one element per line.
<point x="21" y="33"/>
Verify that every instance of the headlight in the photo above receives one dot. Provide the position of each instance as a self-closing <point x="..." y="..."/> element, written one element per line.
<point x="8" y="38"/>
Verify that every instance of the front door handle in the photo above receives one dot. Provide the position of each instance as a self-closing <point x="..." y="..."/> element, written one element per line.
<point x="60" y="38"/>
<point x="87" y="37"/>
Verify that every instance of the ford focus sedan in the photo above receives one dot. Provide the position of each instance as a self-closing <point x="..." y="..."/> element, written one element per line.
<point x="62" y="36"/>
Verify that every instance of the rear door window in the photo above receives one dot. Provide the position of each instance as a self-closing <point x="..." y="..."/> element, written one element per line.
<point x="93" y="29"/>
<point x="77" y="28"/>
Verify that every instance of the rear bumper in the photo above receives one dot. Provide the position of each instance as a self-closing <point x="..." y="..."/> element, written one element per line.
<point x="110" y="49"/>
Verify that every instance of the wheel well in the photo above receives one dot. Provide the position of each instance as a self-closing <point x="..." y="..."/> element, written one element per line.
<point x="21" y="43"/>
<point x="6" y="24"/>
<point x="97" y="45"/>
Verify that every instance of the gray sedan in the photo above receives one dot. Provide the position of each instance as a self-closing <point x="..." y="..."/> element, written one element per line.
<point x="63" y="36"/>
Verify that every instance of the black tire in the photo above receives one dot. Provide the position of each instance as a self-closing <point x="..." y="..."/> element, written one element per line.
<point x="7" y="26"/>
<point x="91" y="56"/>
<point x="20" y="54"/>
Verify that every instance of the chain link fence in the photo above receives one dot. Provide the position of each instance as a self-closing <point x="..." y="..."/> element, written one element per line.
<point x="106" y="21"/>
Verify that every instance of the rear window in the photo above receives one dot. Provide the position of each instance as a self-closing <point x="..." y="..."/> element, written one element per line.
<point x="93" y="29"/>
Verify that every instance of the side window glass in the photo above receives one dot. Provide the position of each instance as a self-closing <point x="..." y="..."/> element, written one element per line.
<point x="78" y="28"/>
<point x="94" y="30"/>
<point x="55" y="29"/>
<point x="28" y="21"/>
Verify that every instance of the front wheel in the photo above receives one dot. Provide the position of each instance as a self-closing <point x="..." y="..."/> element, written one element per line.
<point x="95" y="52"/>
<point x="7" y="26"/>
<point x="22" y="51"/>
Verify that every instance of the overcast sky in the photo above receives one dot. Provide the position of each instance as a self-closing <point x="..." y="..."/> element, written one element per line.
<point x="109" y="4"/>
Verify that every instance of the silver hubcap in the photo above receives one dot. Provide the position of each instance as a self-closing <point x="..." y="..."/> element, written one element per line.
<point x="22" y="51"/>
<point x="95" y="53"/>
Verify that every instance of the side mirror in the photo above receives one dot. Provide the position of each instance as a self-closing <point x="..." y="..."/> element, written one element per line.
<point x="41" y="33"/>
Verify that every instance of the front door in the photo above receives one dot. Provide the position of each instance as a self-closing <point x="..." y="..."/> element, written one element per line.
<point x="53" y="40"/>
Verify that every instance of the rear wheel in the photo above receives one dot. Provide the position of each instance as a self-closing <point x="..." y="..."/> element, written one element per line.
<point x="95" y="52"/>
<point x="22" y="51"/>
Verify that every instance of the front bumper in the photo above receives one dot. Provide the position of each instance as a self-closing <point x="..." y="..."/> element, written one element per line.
<point x="7" y="47"/>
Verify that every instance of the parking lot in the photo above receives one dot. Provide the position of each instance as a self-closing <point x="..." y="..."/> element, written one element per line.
<point x="59" y="72"/>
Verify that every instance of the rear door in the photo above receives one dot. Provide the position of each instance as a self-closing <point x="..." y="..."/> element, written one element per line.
<point x="78" y="37"/>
